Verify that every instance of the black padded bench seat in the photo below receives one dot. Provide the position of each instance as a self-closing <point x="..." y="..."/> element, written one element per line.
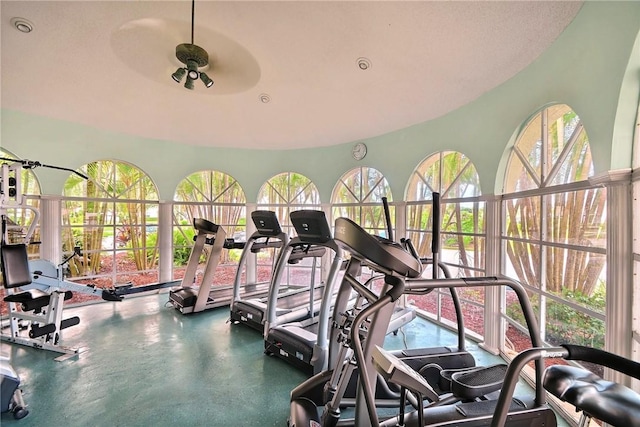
<point x="604" y="400"/>
<point x="15" y="266"/>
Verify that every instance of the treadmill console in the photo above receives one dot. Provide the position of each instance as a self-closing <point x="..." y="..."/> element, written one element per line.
<point x="203" y="225"/>
<point x="396" y="371"/>
<point x="266" y="222"/>
<point x="311" y="226"/>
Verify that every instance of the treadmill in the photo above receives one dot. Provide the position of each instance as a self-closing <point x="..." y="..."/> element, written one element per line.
<point x="305" y="343"/>
<point x="291" y="303"/>
<point x="268" y="235"/>
<point x="192" y="299"/>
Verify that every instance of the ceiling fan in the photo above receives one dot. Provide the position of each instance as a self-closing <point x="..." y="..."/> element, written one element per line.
<point x="194" y="57"/>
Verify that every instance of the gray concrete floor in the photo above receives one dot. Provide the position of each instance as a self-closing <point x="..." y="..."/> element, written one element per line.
<point x="145" y="364"/>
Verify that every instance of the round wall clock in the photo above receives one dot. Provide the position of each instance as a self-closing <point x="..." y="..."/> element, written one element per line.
<point x="359" y="151"/>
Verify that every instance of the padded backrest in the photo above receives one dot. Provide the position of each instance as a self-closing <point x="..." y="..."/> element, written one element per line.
<point x="15" y="265"/>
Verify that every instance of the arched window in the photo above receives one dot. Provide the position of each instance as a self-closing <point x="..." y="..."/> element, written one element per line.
<point x="283" y="194"/>
<point x="555" y="231"/>
<point x="358" y="196"/>
<point x="288" y="192"/>
<point x="21" y="218"/>
<point x="113" y="217"/>
<point x="216" y="197"/>
<point x="462" y="230"/>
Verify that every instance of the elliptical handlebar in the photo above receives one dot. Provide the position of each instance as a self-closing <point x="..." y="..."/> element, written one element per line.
<point x="387" y="218"/>
<point x="435" y="241"/>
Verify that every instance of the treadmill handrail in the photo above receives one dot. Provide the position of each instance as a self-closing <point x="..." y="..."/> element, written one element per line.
<point x="312" y="241"/>
<point x="237" y="283"/>
<point x="283" y="260"/>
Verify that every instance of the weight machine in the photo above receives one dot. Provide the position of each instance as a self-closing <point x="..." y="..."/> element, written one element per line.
<point x="35" y="290"/>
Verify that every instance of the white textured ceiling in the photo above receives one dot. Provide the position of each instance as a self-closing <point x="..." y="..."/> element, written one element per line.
<point x="108" y="64"/>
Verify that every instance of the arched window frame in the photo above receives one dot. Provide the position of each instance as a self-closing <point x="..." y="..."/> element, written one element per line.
<point x="288" y="192"/>
<point x="283" y="194"/>
<point x="463" y="232"/>
<point x="358" y="196"/>
<point x="554" y="231"/>
<point x="216" y="197"/>
<point x="113" y="217"/>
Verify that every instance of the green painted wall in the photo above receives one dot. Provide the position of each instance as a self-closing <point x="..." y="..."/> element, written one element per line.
<point x="594" y="66"/>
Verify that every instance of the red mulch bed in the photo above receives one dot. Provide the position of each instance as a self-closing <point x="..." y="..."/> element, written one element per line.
<point x="225" y="275"/>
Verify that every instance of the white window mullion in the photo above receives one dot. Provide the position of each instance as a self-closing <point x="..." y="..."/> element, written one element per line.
<point x="619" y="318"/>
<point x="542" y="315"/>
<point x="494" y="325"/>
<point x="563" y="156"/>
<point x="544" y="123"/>
<point x="165" y="241"/>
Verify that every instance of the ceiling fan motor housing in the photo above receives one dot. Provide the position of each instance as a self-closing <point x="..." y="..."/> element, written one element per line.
<point x="191" y="52"/>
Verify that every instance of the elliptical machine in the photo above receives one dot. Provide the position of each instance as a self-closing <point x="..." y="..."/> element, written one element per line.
<point x="322" y="405"/>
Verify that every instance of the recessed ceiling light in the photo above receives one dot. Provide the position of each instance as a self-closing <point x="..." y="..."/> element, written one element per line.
<point x="264" y="98"/>
<point x="22" y="25"/>
<point x="363" y="63"/>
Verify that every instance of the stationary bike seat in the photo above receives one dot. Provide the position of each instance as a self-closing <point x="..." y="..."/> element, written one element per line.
<point x="604" y="400"/>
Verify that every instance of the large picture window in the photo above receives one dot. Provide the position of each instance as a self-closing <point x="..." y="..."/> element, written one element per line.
<point x="462" y="236"/>
<point x="358" y="196"/>
<point x="288" y="192"/>
<point x="283" y="194"/>
<point x="554" y="232"/>
<point x="218" y="198"/>
<point x="113" y="218"/>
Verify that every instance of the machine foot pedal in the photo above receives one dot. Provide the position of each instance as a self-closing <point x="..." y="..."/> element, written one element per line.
<point x="478" y="382"/>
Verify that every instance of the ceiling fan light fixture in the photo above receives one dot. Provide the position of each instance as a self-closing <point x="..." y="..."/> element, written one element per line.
<point x="194" y="57"/>
<point x="206" y="80"/>
<point x="178" y="75"/>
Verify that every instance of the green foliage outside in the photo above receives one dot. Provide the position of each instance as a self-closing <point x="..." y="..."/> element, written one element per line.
<point x="467" y="226"/>
<point x="565" y="324"/>
<point x="182" y="244"/>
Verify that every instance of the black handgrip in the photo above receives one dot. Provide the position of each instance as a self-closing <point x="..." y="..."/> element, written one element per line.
<point x="397" y="287"/>
<point x="387" y="217"/>
<point x="435" y="209"/>
<point x="603" y="358"/>
<point x="408" y="245"/>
